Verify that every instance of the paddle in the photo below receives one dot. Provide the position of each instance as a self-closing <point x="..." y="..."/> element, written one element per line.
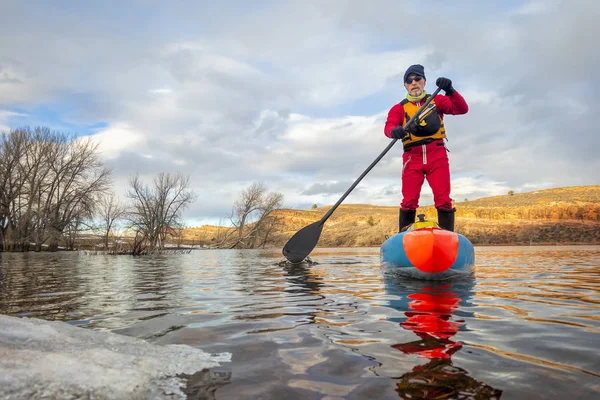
<point x="304" y="241"/>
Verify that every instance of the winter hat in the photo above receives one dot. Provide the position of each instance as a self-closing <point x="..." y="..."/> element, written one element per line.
<point x="417" y="69"/>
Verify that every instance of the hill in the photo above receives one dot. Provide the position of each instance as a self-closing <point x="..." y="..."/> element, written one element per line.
<point x="569" y="215"/>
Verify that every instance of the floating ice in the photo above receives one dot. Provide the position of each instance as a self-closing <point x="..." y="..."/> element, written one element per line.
<point x="43" y="359"/>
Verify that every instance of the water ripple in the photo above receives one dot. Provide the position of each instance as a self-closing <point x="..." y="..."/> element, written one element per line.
<point x="526" y="326"/>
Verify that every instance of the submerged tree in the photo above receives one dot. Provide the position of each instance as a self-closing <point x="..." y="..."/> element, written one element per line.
<point x="156" y="211"/>
<point x="266" y="220"/>
<point x="12" y="150"/>
<point x="252" y="215"/>
<point x="48" y="181"/>
<point x="110" y="211"/>
<point x="248" y="202"/>
<point x="79" y="182"/>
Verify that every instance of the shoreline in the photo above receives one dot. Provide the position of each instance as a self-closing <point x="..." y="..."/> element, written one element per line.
<point x="187" y="250"/>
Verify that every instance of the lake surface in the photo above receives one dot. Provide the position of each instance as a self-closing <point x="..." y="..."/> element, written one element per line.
<point x="526" y="326"/>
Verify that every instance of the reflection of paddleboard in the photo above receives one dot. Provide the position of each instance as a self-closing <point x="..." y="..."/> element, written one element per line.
<point x="427" y="251"/>
<point x="431" y="311"/>
<point x="430" y="318"/>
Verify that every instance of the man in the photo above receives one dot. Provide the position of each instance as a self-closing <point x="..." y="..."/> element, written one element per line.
<point x="425" y="154"/>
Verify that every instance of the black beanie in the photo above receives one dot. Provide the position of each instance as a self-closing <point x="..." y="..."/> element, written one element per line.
<point x="415" y="69"/>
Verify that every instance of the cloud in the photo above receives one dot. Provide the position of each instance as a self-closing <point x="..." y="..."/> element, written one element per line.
<point x="296" y="95"/>
<point x="327" y="188"/>
<point x="7" y="116"/>
<point x="164" y="91"/>
<point x="7" y="78"/>
<point x="118" y="139"/>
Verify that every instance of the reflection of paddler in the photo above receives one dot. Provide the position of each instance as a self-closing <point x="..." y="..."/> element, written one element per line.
<point x="439" y="379"/>
<point x="432" y="321"/>
<point x="429" y="308"/>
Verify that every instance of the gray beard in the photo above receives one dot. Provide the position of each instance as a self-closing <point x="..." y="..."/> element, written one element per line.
<point x="417" y="93"/>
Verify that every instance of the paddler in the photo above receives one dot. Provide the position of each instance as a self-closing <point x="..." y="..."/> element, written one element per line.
<point x="425" y="154"/>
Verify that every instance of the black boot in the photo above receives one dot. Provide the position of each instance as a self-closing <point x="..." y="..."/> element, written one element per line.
<point x="407" y="217"/>
<point x="446" y="219"/>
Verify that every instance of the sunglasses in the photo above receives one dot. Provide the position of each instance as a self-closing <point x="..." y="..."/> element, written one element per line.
<point x="410" y="80"/>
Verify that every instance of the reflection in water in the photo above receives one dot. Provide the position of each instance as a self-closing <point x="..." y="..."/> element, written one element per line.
<point x="87" y="290"/>
<point x="342" y="328"/>
<point x="302" y="278"/>
<point x="156" y="283"/>
<point x="203" y="384"/>
<point x="290" y="300"/>
<point x="430" y="309"/>
<point x="49" y="287"/>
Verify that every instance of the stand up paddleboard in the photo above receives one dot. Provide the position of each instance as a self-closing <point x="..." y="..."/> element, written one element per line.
<point x="426" y="251"/>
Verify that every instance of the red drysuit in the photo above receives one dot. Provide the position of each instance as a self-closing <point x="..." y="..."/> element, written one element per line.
<point x="429" y="160"/>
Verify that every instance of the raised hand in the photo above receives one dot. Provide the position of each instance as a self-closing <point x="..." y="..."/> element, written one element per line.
<point x="446" y="85"/>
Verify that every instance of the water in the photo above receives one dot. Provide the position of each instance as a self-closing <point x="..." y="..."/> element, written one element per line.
<point x="526" y="326"/>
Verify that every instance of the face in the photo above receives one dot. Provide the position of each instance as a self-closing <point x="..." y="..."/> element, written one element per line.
<point x="416" y="85"/>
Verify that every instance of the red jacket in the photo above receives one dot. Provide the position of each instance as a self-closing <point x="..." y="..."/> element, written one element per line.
<point x="453" y="105"/>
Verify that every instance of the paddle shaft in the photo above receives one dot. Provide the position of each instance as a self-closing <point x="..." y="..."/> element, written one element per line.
<point x="383" y="153"/>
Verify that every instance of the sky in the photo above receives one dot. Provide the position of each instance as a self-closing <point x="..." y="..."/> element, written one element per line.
<point x="295" y="94"/>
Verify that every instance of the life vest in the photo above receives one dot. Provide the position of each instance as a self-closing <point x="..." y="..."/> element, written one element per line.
<point x="429" y="125"/>
<point x="422" y="224"/>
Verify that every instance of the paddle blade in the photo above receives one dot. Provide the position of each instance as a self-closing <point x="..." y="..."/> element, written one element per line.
<point x="303" y="242"/>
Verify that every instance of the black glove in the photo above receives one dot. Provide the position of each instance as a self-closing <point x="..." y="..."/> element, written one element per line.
<point x="446" y="85"/>
<point x="414" y="127"/>
<point x="398" y="132"/>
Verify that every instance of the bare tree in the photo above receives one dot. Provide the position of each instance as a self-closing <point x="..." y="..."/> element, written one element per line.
<point x="269" y="225"/>
<point x="156" y="211"/>
<point x="110" y="211"/>
<point x="177" y="234"/>
<point x="251" y="212"/>
<point x="78" y="182"/>
<point x="265" y="222"/>
<point x="249" y="201"/>
<point x="48" y="182"/>
<point x="223" y="235"/>
<point x="12" y="149"/>
<point x="78" y="224"/>
<point x="35" y="166"/>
